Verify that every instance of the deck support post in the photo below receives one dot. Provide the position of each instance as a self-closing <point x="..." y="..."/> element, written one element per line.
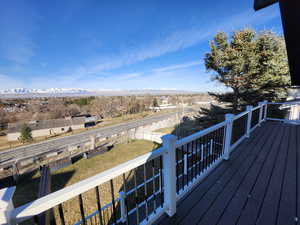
<point x="249" y="109"/>
<point x="6" y="205"/>
<point x="229" y="121"/>
<point x="261" y="104"/>
<point x="266" y="110"/>
<point x="169" y="168"/>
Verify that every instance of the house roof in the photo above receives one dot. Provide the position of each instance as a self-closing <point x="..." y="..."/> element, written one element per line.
<point x="46" y="124"/>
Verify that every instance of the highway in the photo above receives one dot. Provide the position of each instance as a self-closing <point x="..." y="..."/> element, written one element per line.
<point x="31" y="150"/>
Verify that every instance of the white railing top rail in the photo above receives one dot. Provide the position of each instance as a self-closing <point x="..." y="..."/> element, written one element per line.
<point x="256" y="107"/>
<point x="283" y="103"/>
<point x="51" y="200"/>
<point x="240" y="115"/>
<point x="199" y="134"/>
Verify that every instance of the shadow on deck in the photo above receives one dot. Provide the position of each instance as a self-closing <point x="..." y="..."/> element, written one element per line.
<point x="258" y="185"/>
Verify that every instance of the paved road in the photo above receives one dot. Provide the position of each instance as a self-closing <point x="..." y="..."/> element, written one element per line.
<point x="63" y="142"/>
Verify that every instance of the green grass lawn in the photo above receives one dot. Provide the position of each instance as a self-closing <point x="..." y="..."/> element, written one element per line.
<point x="86" y="168"/>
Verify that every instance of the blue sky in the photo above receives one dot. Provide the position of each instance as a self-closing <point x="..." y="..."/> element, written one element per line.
<point x="99" y="44"/>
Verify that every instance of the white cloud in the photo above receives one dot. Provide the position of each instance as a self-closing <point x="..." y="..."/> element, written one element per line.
<point x="173" y="42"/>
<point x="130" y="76"/>
<point x="177" y="66"/>
<point x="100" y="69"/>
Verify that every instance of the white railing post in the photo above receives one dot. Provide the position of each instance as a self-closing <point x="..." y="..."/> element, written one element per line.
<point x="266" y="110"/>
<point x="6" y="205"/>
<point x="261" y="104"/>
<point x="229" y="119"/>
<point x="169" y="176"/>
<point x="249" y="109"/>
<point x="122" y="196"/>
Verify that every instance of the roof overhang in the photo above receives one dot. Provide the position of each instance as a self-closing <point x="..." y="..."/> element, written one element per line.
<point x="260" y="4"/>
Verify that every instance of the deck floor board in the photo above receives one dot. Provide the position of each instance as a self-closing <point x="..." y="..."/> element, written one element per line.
<point x="258" y="185"/>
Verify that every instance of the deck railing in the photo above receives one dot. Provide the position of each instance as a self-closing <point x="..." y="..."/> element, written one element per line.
<point x="144" y="188"/>
<point x="285" y="112"/>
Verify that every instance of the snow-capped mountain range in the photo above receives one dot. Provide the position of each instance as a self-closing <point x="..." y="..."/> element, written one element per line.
<point x="65" y="92"/>
<point x="44" y="91"/>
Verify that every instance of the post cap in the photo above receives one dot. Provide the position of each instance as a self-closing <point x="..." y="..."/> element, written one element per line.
<point x="229" y="116"/>
<point x="6" y="195"/>
<point x="122" y="194"/>
<point x="249" y="107"/>
<point x="168" y="137"/>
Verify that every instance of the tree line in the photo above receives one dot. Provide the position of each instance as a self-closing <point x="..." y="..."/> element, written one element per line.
<point x="101" y="106"/>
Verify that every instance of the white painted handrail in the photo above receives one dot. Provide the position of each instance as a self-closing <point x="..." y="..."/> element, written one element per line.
<point x="199" y="134"/>
<point x="240" y="115"/>
<point x="51" y="200"/>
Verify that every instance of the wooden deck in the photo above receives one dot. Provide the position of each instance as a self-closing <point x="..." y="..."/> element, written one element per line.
<point x="258" y="185"/>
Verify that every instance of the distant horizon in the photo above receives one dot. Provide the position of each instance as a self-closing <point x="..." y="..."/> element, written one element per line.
<point x="86" y="93"/>
<point x="92" y="44"/>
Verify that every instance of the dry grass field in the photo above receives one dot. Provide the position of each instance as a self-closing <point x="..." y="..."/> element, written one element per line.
<point x="28" y="186"/>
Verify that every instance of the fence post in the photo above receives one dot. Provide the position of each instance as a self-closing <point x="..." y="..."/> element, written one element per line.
<point x="6" y="205"/>
<point x="229" y="121"/>
<point x="249" y="109"/>
<point x="169" y="176"/>
<point x="261" y="104"/>
<point x="266" y="110"/>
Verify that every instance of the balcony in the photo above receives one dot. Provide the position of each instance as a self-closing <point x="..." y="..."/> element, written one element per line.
<point x="258" y="185"/>
<point x="241" y="171"/>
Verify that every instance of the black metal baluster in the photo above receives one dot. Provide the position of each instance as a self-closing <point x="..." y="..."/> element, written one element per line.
<point x="99" y="205"/>
<point x="161" y="182"/>
<point x="198" y="146"/>
<point x="195" y="158"/>
<point x="145" y="192"/>
<point x="177" y="171"/>
<point x="206" y="151"/>
<point x="113" y="201"/>
<point x="213" y="143"/>
<point x="36" y="220"/>
<point x="222" y="137"/>
<point x="187" y="164"/>
<point x="61" y="214"/>
<point x="211" y="147"/>
<point x="182" y="166"/>
<point x="192" y="160"/>
<point x="82" y="210"/>
<point x="154" y="186"/>
<point x="202" y="154"/>
<point x="126" y="201"/>
<point x="136" y="197"/>
<point x="218" y="143"/>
